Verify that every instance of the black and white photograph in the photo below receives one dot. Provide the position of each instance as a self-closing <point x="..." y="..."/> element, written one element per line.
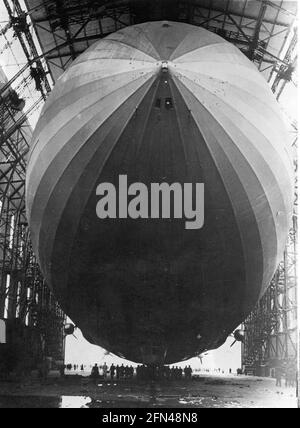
<point x="148" y="207"/>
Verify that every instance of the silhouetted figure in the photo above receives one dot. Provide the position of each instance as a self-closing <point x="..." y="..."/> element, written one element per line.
<point x="180" y="371"/>
<point x="188" y="372"/>
<point x="38" y="77"/>
<point x="105" y="370"/>
<point x="172" y="373"/>
<point x="122" y="371"/>
<point x="118" y="372"/>
<point x="95" y="372"/>
<point x="112" y="371"/>
<point x="131" y="372"/>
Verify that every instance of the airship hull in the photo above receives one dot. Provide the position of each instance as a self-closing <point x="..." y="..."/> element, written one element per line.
<point x="160" y="102"/>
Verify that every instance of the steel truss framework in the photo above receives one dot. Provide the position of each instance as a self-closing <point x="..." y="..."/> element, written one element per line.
<point x="24" y="297"/>
<point x="23" y="293"/>
<point x="52" y="33"/>
<point x="271" y="329"/>
<point x="68" y="27"/>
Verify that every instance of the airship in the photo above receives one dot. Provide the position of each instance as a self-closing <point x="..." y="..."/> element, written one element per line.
<point x="162" y="103"/>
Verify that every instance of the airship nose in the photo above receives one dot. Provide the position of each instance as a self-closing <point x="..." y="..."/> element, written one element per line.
<point x="165" y="66"/>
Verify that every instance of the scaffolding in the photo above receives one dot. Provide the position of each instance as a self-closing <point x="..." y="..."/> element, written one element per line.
<point x="34" y="320"/>
<point x="271" y="329"/>
<point x="52" y="34"/>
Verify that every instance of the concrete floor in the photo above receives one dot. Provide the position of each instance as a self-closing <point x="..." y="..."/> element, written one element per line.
<point x="203" y="392"/>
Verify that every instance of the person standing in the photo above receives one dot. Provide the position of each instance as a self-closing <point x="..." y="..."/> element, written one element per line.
<point x="112" y="371"/>
<point x="190" y="372"/>
<point x="95" y="372"/>
<point x="105" y="369"/>
<point x="186" y="372"/>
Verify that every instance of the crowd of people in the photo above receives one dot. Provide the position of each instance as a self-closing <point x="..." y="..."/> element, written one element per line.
<point x="113" y="372"/>
<point x="142" y="372"/>
<point x="163" y="372"/>
<point x="75" y="367"/>
<point x="285" y="375"/>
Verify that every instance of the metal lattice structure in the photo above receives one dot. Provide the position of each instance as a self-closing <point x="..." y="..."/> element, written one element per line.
<point x="271" y="329"/>
<point x="51" y="34"/>
<point x="259" y="28"/>
<point x="33" y="317"/>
